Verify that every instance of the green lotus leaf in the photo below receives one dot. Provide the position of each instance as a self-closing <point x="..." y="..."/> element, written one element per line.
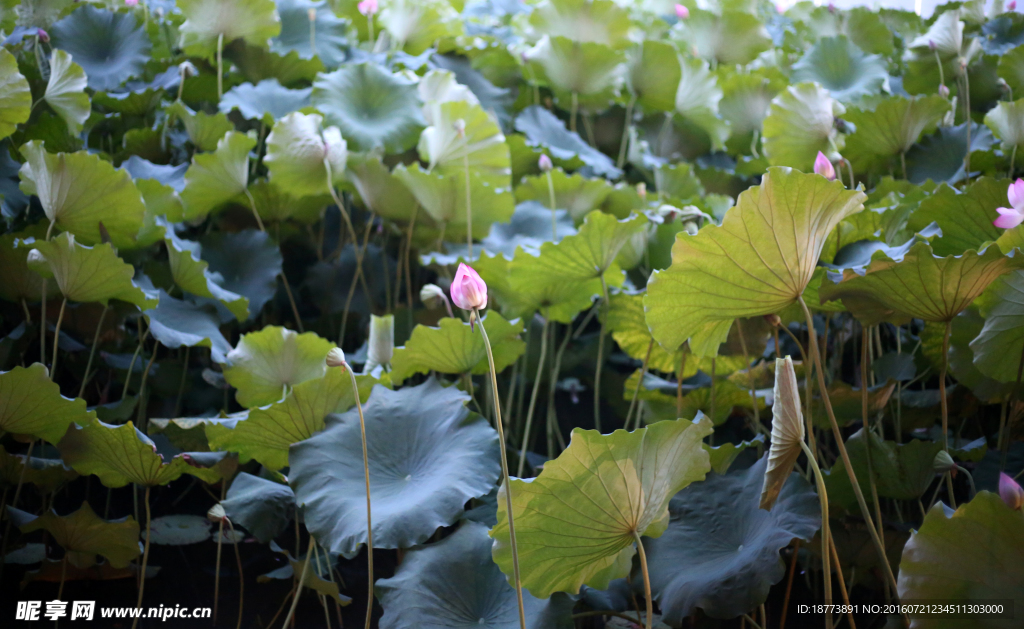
<point x="746" y="98"/>
<point x="372" y="107"/>
<point x="189" y="433"/>
<point x="945" y="35"/>
<point x="246" y="263"/>
<point x="697" y="100"/>
<point x="118" y="455"/>
<point x="88" y="274"/>
<point x="865" y="28"/>
<point x="544" y="129"/>
<point x="723" y="456"/>
<point x="758" y="262"/>
<point x="607" y="489"/>
<point x="179" y="530"/>
<point x="266" y="364"/>
<point x="15" y="96"/>
<point x="454" y="347"/>
<point x="842" y="68"/>
<point x="454" y="583"/>
<point x="298" y="33"/>
<point x="177" y="323"/>
<point x="968" y="555"/>
<point x="966" y="327"/>
<point x="19" y="282"/>
<point x="1011" y="69"/>
<point x="65" y="91"/>
<point x="593" y="72"/>
<point x="443" y="196"/>
<point x="940" y="156"/>
<point x="262" y="506"/>
<point x="598" y="21"/>
<point x="428" y="455"/>
<point x="83" y="535"/>
<point x="78" y="191"/>
<point x="205" y="131"/>
<point x="30" y="404"/>
<point x="275" y="206"/>
<point x="497" y="100"/>
<point x="297" y="149"/>
<point x="215" y="178"/>
<point x="257" y="64"/>
<point x="481" y="143"/>
<point x="380" y="191"/>
<point x="1006" y="121"/>
<point x="723" y="396"/>
<point x="678" y="182"/>
<point x="255" y="21"/>
<point x="732" y="38"/>
<point x="799" y="125"/>
<point x="48" y="475"/>
<point x="268" y="432"/>
<point x="159" y="186"/>
<point x="848" y="403"/>
<point x="416" y="25"/>
<point x="999" y="345"/>
<point x="140" y="97"/>
<point x="266" y="101"/>
<point x="192" y="274"/>
<point x="624" y="317"/>
<point x="965" y="218"/>
<point x="923" y="285"/>
<point x="721" y="552"/>
<point x="574" y="193"/>
<point x="111" y="47"/>
<point x="653" y="75"/>
<point x="891" y="129"/>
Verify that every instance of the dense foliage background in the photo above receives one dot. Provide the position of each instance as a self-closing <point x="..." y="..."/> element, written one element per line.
<point x="201" y="199"/>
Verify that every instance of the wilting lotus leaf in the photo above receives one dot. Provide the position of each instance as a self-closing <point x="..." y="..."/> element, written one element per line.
<point x="78" y="191"/>
<point x="179" y="530"/>
<point x="48" y="475"/>
<point x="267" y="363"/>
<point x="297" y="149"/>
<point x="697" y="100"/>
<point x="653" y="75"/>
<point x="371" y="106"/>
<point x="606" y="489"/>
<point x="455" y="348"/>
<point x="118" y="455"/>
<point x="998" y="347"/>
<point x="428" y="455"/>
<point x="454" y="582"/>
<point x="787" y="432"/>
<point x="597" y="21"/>
<point x="65" y="91"/>
<point x="573" y="193"/>
<point x="481" y="143"/>
<point x="965" y="218"/>
<point x="443" y="196"/>
<point x="1006" y="121"/>
<point x="30" y="404"/>
<point x="255" y="21"/>
<point x="249" y="262"/>
<point x="380" y="191"/>
<point x="83" y="535"/>
<point x="18" y="280"/>
<point x="204" y="130"/>
<point x="781" y="224"/>
<point x="923" y="285"/>
<point x="593" y="72"/>
<point x="940" y="156"/>
<point x="111" y="47"/>
<point x="15" y="96"/>
<point x="266" y="101"/>
<point x="969" y="555"/>
<point x="328" y="31"/>
<point x="88" y="274"/>
<point x="890" y="129"/>
<point x="734" y="37"/>
<point x="193" y="275"/>
<point x="799" y="125"/>
<point x="544" y="129"/>
<point x="177" y="323"/>
<point x="269" y="430"/>
<point x="262" y="506"/>
<point x="215" y="178"/>
<point x="721" y="552"/>
<point x="842" y="68"/>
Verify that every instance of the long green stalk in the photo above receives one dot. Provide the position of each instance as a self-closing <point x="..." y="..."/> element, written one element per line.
<point x="647" y="580"/>
<point x="533" y="397"/>
<point x="825" y="532"/>
<point x="366" y="471"/>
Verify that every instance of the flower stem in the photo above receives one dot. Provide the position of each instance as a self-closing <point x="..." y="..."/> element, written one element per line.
<point x="551" y="202"/>
<point x="220" y="66"/>
<point x="600" y="358"/>
<point x="366" y="471"/>
<point x="627" y="124"/>
<point x="647" y="579"/>
<point x="469" y="210"/>
<point x="56" y="338"/>
<point x="92" y="351"/>
<point x="302" y="581"/>
<point x="639" y="383"/>
<point x="533" y="397"/>
<point x="145" y="560"/>
<point x="825" y="532"/>
<point x="504" y="473"/>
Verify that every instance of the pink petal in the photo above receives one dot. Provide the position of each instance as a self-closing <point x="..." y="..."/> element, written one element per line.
<point x="1015" y="194"/>
<point x="1008" y="219"/>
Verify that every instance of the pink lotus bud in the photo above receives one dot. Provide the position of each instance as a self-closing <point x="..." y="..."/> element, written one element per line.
<point x="42" y="35"/>
<point x="831" y="7"/>
<point x="336" y="358"/>
<point x="641" y="190"/>
<point x="460" y="127"/>
<point x="368" y="7"/>
<point x="544" y="163"/>
<point x="931" y="45"/>
<point x="773" y="320"/>
<point x="824" y="167"/>
<point x="469" y="291"/>
<point x="1010" y="492"/>
<point x="943" y="91"/>
<point x="682" y="12"/>
<point x="1011" y="5"/>
<point x="131" y="3"/>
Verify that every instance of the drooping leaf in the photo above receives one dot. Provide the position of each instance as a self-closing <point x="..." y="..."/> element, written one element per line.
<point x="19" y="281"/>
<point x="118" y="455"/>
<point x="30" y="404"/>
<point x="192" y="274"/>
<point x="544" y="129"/>
<point x="83" y="535"/>
<point x="262" y="506"/>
<point x="15" y="96"/>
<point x="787" y="432"/>
<point x="379" y="189"/>
<point x="454" y="582"/>
<point x="65" y="91"/>
<point x="697" y="101"/>
<point x="443" y="197"/>
<point x="758" y="262"/>
<point x="266" y="101"/>
<point x="316" y="578"/>
<point x="846" y="71"/>
<point x="891" y="128"/>
<point x="624" y="317"/>
<point x="266" y="363"/>
<point x="800" y="123"/>
<point x="177" y="323"/>
<point x="428" y="455"/>
<point x="215" y="178"/>
<point x="48" y="475"/>
<point x="297" y="149"/>
<point x="653" y="75"/>
<point x="255" y="21"/>
<point x="603" y="490"/>
<point x="481" y="142"/>
<point x="111" y="47"/>
<point x="721" y="552"/>
<point x="1006" y="121"/>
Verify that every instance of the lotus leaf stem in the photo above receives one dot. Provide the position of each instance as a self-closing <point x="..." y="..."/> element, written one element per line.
<point x="647" y="579"/>
<point x="825" y="532"/>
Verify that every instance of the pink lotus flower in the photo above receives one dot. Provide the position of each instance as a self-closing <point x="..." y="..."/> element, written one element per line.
<point x="824" y="167"/>
<point x="469" y="291"/>
<point x="1012" y="5"/>
<point x="42" y="35"/>
<point x="544" y="163"/>
<point x="1010" y="492"/>
<point x="1010" y="217"/>
<point x="682" y="12"/>
<point x="368" y="7"/>
<point x="131" y="3"/>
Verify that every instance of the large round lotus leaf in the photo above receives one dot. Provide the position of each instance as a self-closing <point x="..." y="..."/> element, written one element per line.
<point x="767" y="266"/>
<point x="891" y="128"/>
<point x="975" y="554"/>
<point x="15" y="96"/>
<point x="255" y="21"/>
<point x="262" y="506"/>
<point x="179" y="530"/>
<point x="454" y="347"/>
<point x="266" y="363"/>
<point x="454" y="583"/>
<point x="266" y="101"/>
<point x="298" y="33"/>
<point x="799" y="125"/>
<point x="110" y="47"/>
<point x="593" y="72"/>
<point x="842" y="68"/>
<point x="576" y="523"/>
<point x="597" y="21"/>
<point x="372" y="107"/>
<point x="30" y="404"/>
<point x="544" y="129"/>
<point x="999" y="345"/>
<point x="732" y="38"/>
<point x="245" y="263"/>
<point x="443" y="197"/>
<point x="416" y="25"/>
<point x="84" y="535"/>
<point x="118" y="455"/>
<point x="940" y="156"/>
<point x="964" y="216"/>
<point x="747" y="97"/>
<point x="721" y="551"/>
<point x="653" y="75"/>
<point x="428" y="455"/>
<point x="697" y="101"/>
<point x="1006" y="120"/>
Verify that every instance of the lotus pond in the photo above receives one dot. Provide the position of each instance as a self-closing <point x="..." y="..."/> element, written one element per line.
<point x="511" y="313"/>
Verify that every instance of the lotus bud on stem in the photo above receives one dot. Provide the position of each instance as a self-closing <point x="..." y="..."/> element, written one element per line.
<point x="1010" y="491"/>
<point x="433" y="296"/>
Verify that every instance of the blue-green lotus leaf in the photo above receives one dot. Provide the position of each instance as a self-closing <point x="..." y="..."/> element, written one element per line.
<point x="454" y="583"/>
<point x="262" y="506"/>
<point x="721" y="551"/>
<point x="428" y="456"/>
<point x="940" y="156"/>
<point x="544" y="129"/>
<point x="268" y="100"/>
<point x="177" y="323"/>
<point x="247" y="262"/>
<point x="842" y="68"/>
<point x="326" y="32"/>
<point x="110" y="47"/>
